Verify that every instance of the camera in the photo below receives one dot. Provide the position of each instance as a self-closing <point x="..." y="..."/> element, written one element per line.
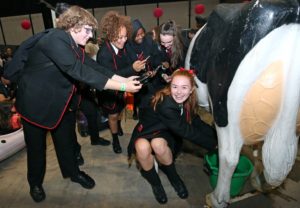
<point x="144" y="78"/>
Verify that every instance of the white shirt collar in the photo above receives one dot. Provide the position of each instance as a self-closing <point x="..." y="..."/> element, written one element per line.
<point x="115" y="48"/>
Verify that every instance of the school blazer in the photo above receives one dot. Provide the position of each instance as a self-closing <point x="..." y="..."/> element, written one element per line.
<point x="48" y="82"/>
<point x="169" y="116"/>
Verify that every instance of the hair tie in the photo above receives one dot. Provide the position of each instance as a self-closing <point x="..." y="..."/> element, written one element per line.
<point x="190" y="71"/>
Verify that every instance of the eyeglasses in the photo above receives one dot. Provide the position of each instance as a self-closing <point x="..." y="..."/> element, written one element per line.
<point x="88" y="30"/>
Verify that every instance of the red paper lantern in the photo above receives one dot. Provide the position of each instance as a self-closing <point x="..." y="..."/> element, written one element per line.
<point x="26" y="24"/>
<point x="199" y="9"/>
<point x="158" y="12"/>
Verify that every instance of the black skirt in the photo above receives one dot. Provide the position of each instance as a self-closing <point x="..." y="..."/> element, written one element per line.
<point x="158" y="134"/>
<point x="112" y="101"/>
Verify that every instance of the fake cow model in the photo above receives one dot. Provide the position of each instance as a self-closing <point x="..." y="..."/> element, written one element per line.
<point x="247" y="60"/>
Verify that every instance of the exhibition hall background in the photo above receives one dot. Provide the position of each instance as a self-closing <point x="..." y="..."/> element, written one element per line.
<point x="183" y="12"/>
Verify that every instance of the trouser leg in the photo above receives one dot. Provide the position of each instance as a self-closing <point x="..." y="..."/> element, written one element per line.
<point x="35" y="139"/>
<point x="89" y="109"/>
<point x="65" y="145"/>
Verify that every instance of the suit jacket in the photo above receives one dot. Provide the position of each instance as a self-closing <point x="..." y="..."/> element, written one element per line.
<point x="48" y="81"/>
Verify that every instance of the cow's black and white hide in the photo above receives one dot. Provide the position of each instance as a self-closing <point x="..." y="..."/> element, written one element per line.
<point x="249" y="73"/>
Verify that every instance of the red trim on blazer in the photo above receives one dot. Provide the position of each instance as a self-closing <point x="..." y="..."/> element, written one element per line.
<point x="114" y="54"/>
<point x="74" y="89"/>
<point x="59" y="120"/>
<point x="116" y="68"/>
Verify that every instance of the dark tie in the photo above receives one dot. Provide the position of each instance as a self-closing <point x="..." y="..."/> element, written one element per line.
<point x="119" y="53"/>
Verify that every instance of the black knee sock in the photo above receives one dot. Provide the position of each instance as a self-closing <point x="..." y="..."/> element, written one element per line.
<point x="115" y="138"/>
<point x="119" y="124"/>
<point x="170" y="171"/>
<point x="151" y="176"/>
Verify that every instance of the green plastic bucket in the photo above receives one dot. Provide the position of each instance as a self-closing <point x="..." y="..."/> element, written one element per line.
<point x="242" y="172"/>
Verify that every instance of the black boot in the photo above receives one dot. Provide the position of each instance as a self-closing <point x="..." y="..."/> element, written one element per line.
<point x="175" y="180"/>
<point x="120" y="130"/>
<point x="99" y="141"/>
<point x="116" y="144"/>
<point x="158" y="190"/>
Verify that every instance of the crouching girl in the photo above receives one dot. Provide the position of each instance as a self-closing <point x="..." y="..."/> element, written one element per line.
<point x="172" y="114"/>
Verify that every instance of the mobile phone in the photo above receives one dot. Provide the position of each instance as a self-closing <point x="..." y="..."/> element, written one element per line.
<point x="147" y="58"/>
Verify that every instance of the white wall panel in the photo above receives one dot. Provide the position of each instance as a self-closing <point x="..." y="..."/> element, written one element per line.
<point x="179" y="11"/>
<point x="37" y="22"/>
<point x="144" y="13"/>
<point x="1" y="38"/>
<point x="14" y="33"/>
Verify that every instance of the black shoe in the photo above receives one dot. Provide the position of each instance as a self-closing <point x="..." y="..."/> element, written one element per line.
<point x="160" y="194"/>
<point x="84" y="180"/>
<point x="79" y="159"/>
<point x="180" y="189"/>
<point x="100" y="141"/>
<point x="117" y="148"/>
<point x="84" y="133"/>
<point x="37" y="193"/>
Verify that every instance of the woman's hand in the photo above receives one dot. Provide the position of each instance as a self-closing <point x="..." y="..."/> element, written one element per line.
<point x="139" y="65"/>
<point x="152" y="73"/>
<point x="131" y="78"/>
<point x="166" y="77"/>
<point x="165" y="65"/>
<point x="133" y="86"/>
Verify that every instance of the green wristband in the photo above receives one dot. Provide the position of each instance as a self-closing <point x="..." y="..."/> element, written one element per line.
<point x="123" y="87"/>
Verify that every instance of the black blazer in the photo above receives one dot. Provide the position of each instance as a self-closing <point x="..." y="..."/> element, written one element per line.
<point x="113" y="101"/>
<point x="141" y="51"/>
<point x="121" y="65"/>
<point x="48" y="82"/>
<point x="169" y="116"/>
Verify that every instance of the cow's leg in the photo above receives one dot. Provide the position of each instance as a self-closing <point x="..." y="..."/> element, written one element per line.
<point x="229" y="151"/>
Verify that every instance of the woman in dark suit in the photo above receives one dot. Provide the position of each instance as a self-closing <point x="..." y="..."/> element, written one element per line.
<point x="46" y="95"/>
<point x="172" y="114"/>
<point x="114" y="57"/>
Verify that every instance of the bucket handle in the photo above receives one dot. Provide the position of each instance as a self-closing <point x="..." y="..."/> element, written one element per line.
<point x="206" y="168"/>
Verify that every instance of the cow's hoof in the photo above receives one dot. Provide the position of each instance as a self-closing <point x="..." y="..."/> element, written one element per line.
<point x="208" y="200"/>
<point x="212" y="202"/>
<point x="256" y="181"/>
